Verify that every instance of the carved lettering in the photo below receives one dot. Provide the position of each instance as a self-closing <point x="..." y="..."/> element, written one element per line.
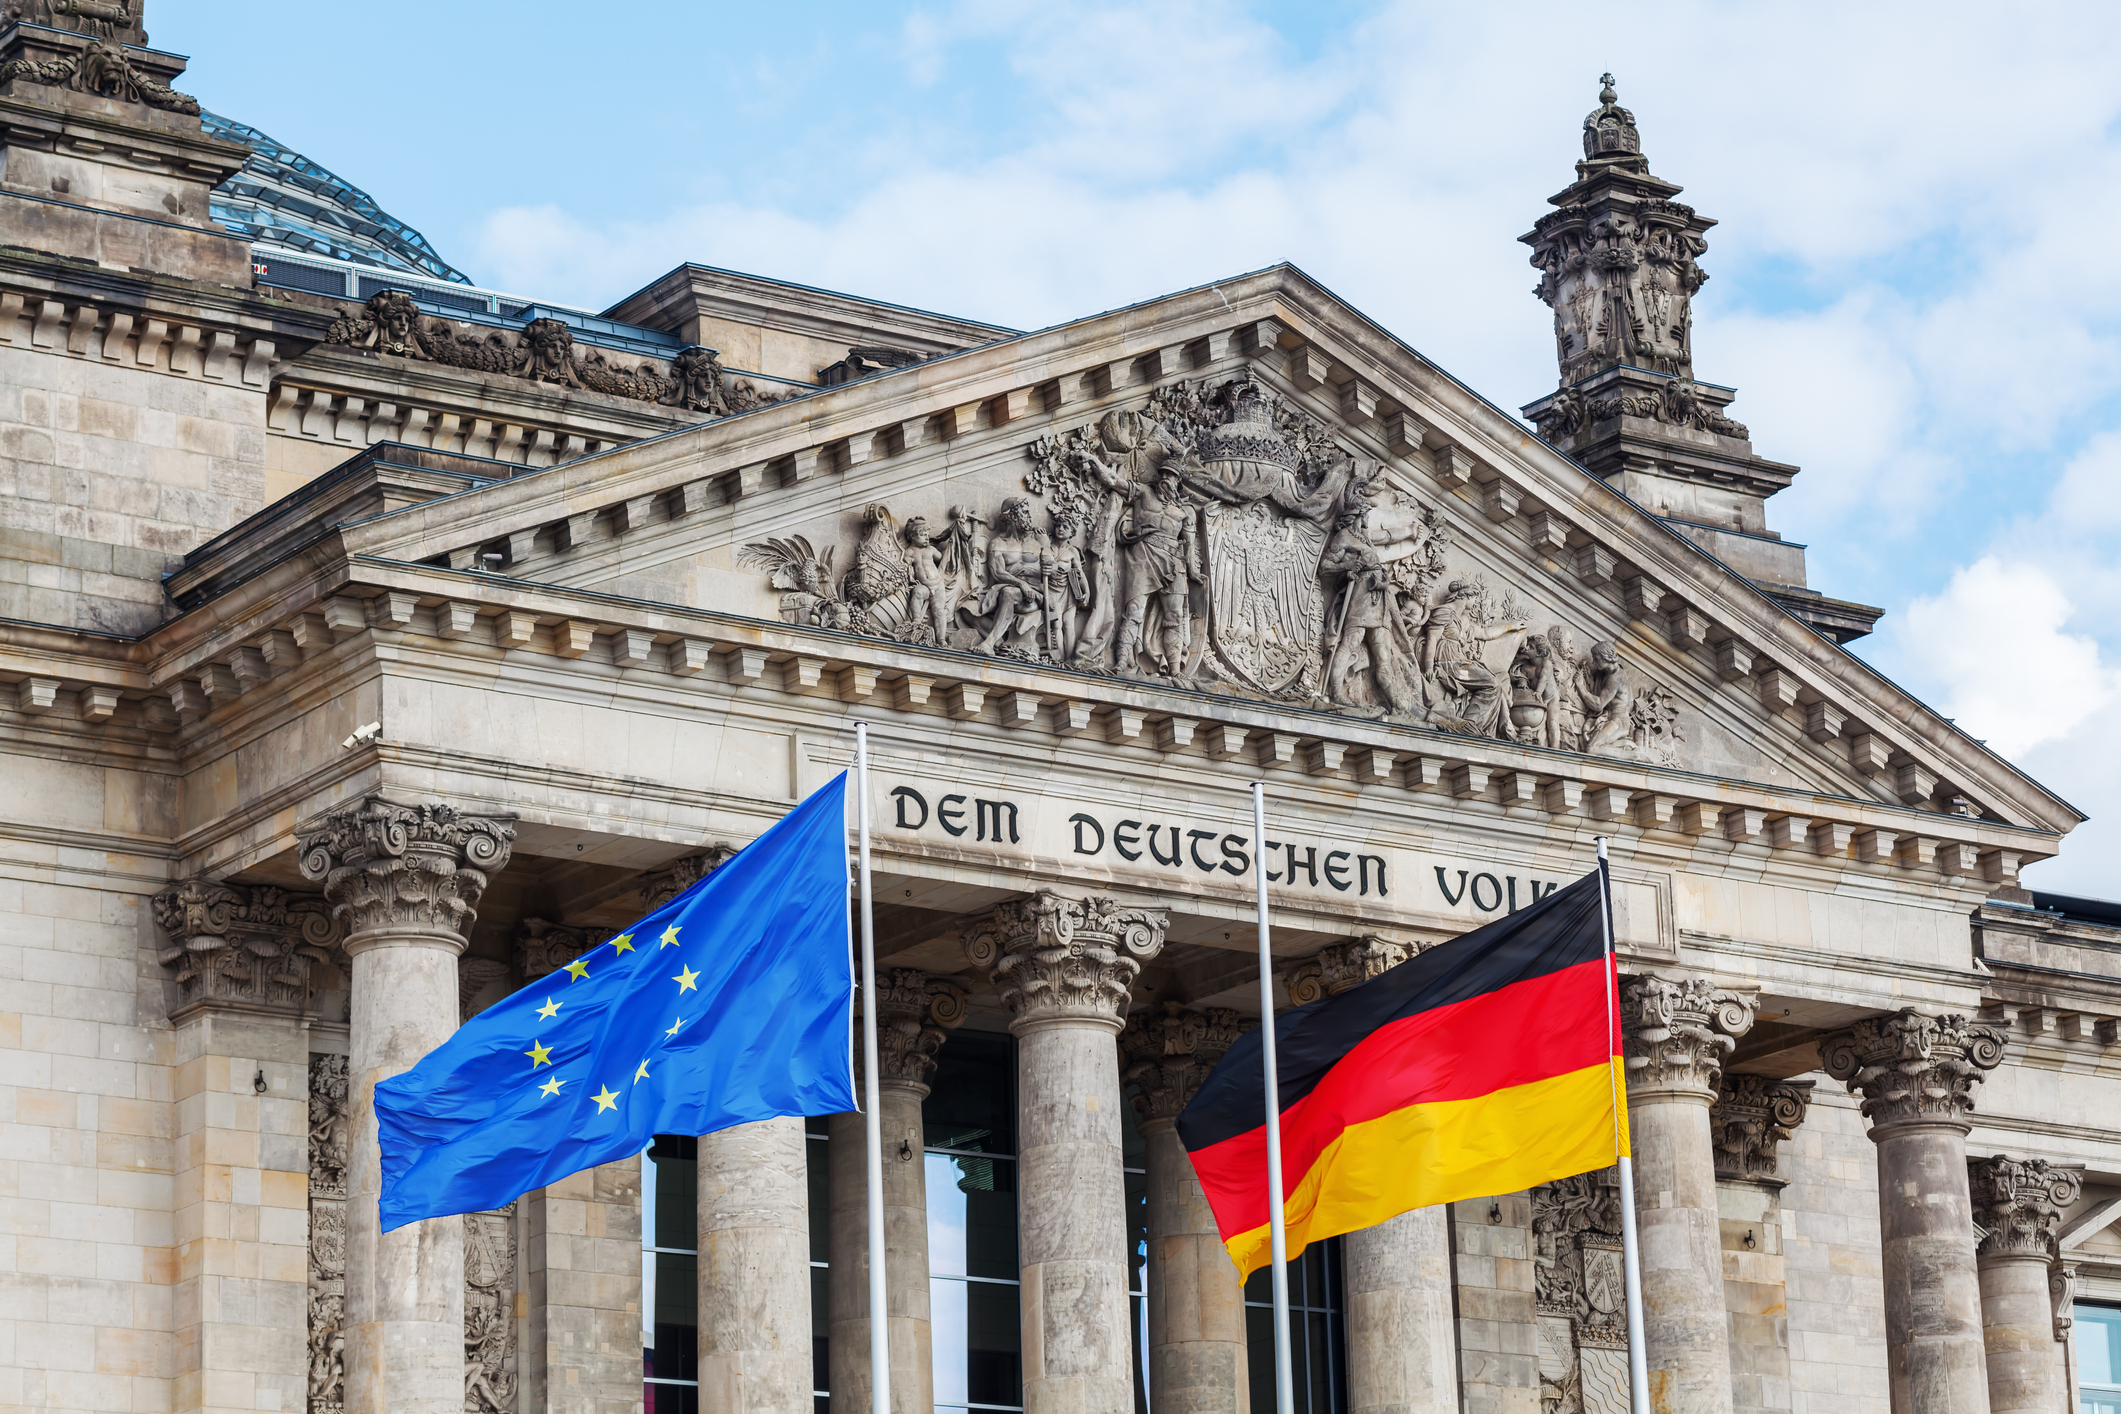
<point x="1337" y="869"/>
<point x="1444" y="883"/>
<point x="1125" y="835"/>
<point x="1495" y="886"/>
<point x="1362" y="866"/>
<point x="1236" y="858"/>
<point x="1157" y="854"/>
<point x="989" y="818"/>
<point x="1079" y="820"/>
<point x="949" y="812"/>
<point x="904" y="796"/>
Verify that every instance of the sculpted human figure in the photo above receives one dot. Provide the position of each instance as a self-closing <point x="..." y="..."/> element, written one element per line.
<point x="1452" y="642"/>
<point x="1018" y="565"/>
<point x="1067" y="589"/>
<point x="1160" y="555"/>
<point x="1564" y="728"/>
<point x="1364" y="627"/>
<point x="1532" y="691"/>
<point x="1119" y="436"/>
<point x="930" y="604"/>
<point x="1606" y="697"/>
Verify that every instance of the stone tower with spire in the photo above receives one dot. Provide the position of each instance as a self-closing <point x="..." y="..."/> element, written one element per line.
<point x="1619" y="262"/>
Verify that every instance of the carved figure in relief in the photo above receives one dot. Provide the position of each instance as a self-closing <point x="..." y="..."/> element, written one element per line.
<point x="1564" y="724"/>
<point x="1372" y="659"/>
<point x="1606" y="696"/>
<point x="1160" y="556"/>
<point x="1067" y="589"/>
<point x="931" y="602"/>
<point x="1533" y="691"/>
<point x="1453" y="644"/>
<point x="1018" y="567"/>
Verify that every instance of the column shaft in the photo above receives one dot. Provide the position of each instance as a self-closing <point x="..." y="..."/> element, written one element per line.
<point x="1402" y="1341"/>
<point x="1197" y="1360"/>
<point x="2017" y="1205"/>
<point x="754" y="1267"/>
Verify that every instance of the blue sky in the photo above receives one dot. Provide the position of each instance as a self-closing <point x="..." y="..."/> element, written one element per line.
<point x="1910" y="288"/>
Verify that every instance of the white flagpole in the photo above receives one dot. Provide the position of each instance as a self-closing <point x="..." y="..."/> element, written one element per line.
<point x="1284" y="1389"/>
<point x="873" y="1130"/>
<point x="1638" y="1365"/>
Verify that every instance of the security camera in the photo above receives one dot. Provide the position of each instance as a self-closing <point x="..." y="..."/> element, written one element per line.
<point x="361" y="734"/>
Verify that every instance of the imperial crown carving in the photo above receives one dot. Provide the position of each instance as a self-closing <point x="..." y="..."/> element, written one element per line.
<point x="1752" y="1116"/>
<point x="1339" y="966"/>
<point x="390" y="866"/>
<point x="1678" y="1030"/>
<point x="1911" y="1068"/>
<point x="247" y="949"/>
<point x="914" y="1011"/>
<point x="1168" y="1052"/>
<point x="1062" y="959"/>
<point x="2019" y="1203"/>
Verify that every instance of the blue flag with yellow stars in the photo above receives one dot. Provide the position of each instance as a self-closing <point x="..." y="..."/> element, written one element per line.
<point x="732" y="1002"/>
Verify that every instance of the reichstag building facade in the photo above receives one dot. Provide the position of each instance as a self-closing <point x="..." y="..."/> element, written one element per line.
<point x="373" y="643"/>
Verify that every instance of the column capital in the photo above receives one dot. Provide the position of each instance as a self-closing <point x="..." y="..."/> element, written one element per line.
<point x="229" y="947"/>
<point x="1678" y="1030"/>
<point x="1169" y="1051"/>
<point x="1751" y="1116"/>
<point x="1056" y="959"/>
<point x="660" y="886"/>
<point x="2018" y="1205"/>
<point x="1338" y="966"/>
<point x="544" y="947"/>
<point x="388" y="866"/>
<point x="1912" y="1068"/>
<point x="914" y="1012"/>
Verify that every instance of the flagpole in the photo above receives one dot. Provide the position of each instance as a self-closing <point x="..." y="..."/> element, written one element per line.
<point x="1631" y="1254"/>
<point x="873" y="1126"/>
<point x="1284" y="1389"/>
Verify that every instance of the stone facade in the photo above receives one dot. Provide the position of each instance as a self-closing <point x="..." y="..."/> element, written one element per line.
<point x="366" y="656"/>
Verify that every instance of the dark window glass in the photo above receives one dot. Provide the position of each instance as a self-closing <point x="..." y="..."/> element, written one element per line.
<point x="978" y="1351"/>
<point x="969" y="1119"/>
<point x="972" y="1100"/>
<point x="2096" y="1334"/>
<point x="677" y="1317"/>
<point x="1317" y="1335"/>
<point x="676" y="1199"/>
<point x="820" y="1332"/>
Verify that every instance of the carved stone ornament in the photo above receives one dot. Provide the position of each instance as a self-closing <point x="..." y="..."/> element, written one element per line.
<point x="2062" y="1291"/>
<point x="1579" y="1294"/>
<point x="544" y="350"/>
<point x="1062" y="959"/>
<point x="390" y="866"/>
<point x="474" y="976"/>
<point x="913" y="1014"/>
<point x="490" y="1375"/>
<point x="117" y="20"/>
<point x="1339" y="966"/>
<point x="1911" y="1068"/>
<point x="1678" y="1030"/>
<point x="1168" y="1051"/>
<point x="242" y="949"/>
<point x="1220" y="538"/>
<point x="660" y="886"/>
<point x="543" y="947"/>
<point x="2019" y="1203"/>
<point x="329" y="1140"/>
<point x="1752" y="1115"/>
<point x="101" y="69"/>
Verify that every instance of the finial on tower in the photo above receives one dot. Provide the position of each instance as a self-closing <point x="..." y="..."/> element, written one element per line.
<point x="1610" y="129"/>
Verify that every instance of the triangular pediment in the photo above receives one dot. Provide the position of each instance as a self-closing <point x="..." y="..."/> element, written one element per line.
<point x="1245" y="490"/>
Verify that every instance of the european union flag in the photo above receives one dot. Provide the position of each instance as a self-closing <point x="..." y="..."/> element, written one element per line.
<point x="730" y="1003"/>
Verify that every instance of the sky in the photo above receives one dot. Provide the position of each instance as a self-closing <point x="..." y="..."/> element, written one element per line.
<point x="1909" y="282"/>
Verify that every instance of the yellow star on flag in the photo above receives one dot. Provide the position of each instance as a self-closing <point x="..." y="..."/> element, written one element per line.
<point x="552" y="1086"/>
<point x="579" y="967"/>
<point x="607" y="1100"/>
<point x="670" y="938"/>
<point x="674" y="1027"/>
<point x="539" y="1053"/>
<point x="622" y="943"/>
<point x="685" y="980"/>
<point x="550" y="1009"/>
<point x="641" y="1074"/>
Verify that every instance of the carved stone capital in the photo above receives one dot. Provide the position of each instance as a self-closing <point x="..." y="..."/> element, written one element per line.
<point x="388" y="867"/>
<point x="1056" y="959"/>
<point x="1339" y="966"/>
<point x="2018" y="1204"/>
<point x="1677" y="1031"/>
<point x="1753" y="1114"/>
<point x="241" y="949"/>
<point x="1169" y="1051"/>
<point x="914" y="1013"/>
<point x="543" y="947"/>
<point x="1911" y="1068"/>
<point x="660" y="886"/>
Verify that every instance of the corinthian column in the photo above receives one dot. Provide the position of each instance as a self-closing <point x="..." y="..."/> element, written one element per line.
<point x="1678" y="1031"/>
<point x="1063" y="968"/>
<point x="1917" y="1075"/>
<point x="1196" y="1303"/>
<point x="2018" y="1205"/>
<point x="1402" y="1337"/>
<point x="406" y="880"/>
<point x="912" y="1012"/>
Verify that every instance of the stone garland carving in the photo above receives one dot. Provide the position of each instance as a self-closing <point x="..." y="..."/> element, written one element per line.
<point x="1060" y="959"/>
<point x="1339" y="966"/>
<point x="913" y="1012"/>
<point x="2019" y="1203"/>
<point x="544" y="350"/>
<point x="329" y="1138"/>
<point x="489" y="1311"/>
<point x="1219" y="539"/>
<point x="1752" y="1116"/>
<point x="247" y="948"/>
<point x="1580" y="1295"/>
<point x="1912" y="1068"/>
<point x="101" y="69"/>
<point x="1169" y="1051"/>
<point x="389" y="865"/>
<point x="1678" y="1030"/>
<point x="1678" y="403"/>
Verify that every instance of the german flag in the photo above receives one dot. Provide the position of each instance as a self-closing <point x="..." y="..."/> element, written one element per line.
<point x="1485" y="1065"/>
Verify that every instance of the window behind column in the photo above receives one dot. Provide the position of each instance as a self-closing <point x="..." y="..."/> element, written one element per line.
<point x="969" y="1122"/>
<point x="2097" y="1333"/>
<point x="670" y="1277"/>
<point x="1317" y="1337"/>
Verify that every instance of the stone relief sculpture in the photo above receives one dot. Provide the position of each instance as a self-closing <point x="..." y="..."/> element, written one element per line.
<point x="244" y="948"/>
<point x="101" y="69"/>
<point x="115" y="20"/>
<point x="329" y="1137"/>
<point x="1222" y="540"/>
<point x="1579" y="1295"/>
<point x="489" y="1311"/>
<point x="391" y="322"/>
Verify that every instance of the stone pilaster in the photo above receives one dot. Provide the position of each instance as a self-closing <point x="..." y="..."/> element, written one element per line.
<point x="1916" y="1075"/>
<point x="1752" y="1116"/>
<point x="1196" y="1302"/>
<point x="2018" y="1207"/>
<point x="1678" y="1031"/>
<point x="405" y="880"/>
<point x="1064" y="968"/>
<point x="914" y="1013"/>
<point x="237" y="960"/>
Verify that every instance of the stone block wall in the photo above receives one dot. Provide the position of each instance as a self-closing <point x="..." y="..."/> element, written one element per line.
<point x="1832" y="1261"/>
<point x="1754" y="1288"/>
<point x="1498" y="1350"/>
<point x="582" y="1288"/>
